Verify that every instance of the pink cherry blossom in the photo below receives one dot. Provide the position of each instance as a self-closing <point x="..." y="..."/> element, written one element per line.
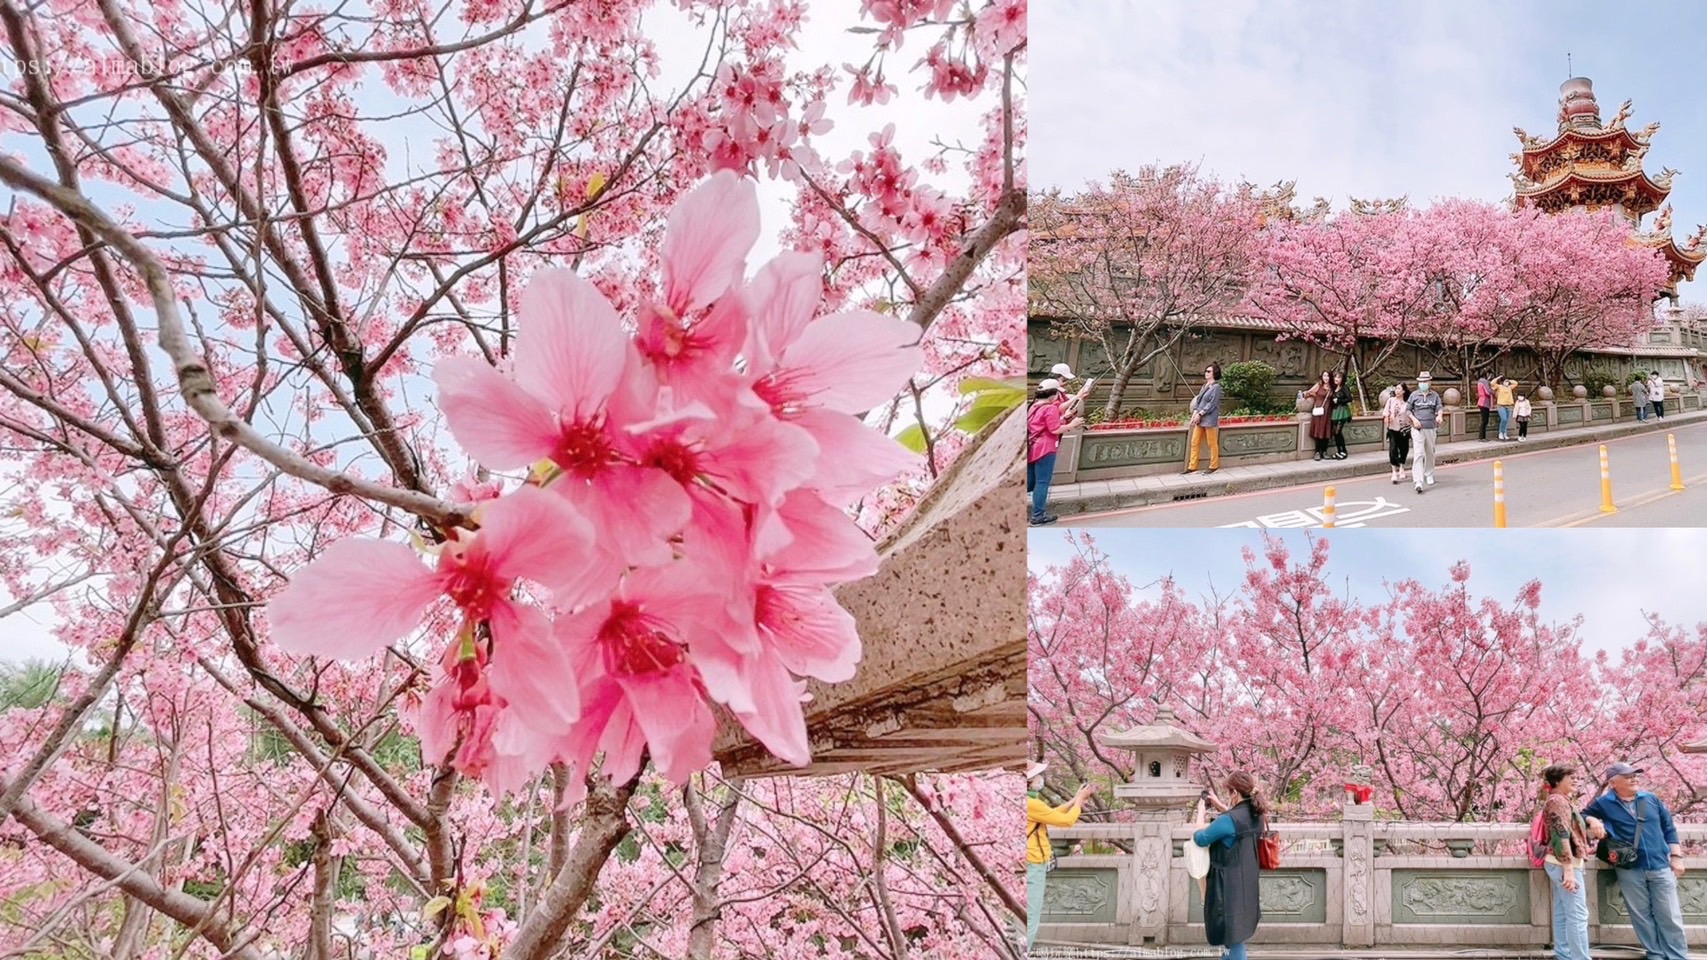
<point x="362" y="594"/>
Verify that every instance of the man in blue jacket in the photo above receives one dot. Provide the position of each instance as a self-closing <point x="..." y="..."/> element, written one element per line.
<point x="1635" y="816"/>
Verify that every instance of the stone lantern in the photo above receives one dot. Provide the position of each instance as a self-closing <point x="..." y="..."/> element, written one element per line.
<point x="1162" y="787"/>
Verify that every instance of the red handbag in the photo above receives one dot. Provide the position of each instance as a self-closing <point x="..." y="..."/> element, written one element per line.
<point x="1268" y="850"/>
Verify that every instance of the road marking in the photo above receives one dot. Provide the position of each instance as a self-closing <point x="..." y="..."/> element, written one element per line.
<point x="1354" y="513"/>
<point x="1583" y="517"/>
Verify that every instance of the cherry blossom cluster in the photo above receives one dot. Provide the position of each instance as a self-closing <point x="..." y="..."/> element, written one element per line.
<point x="681" y="529"/>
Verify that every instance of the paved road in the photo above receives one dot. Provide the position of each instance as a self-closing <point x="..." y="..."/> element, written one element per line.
<point x="1544" y="488"/>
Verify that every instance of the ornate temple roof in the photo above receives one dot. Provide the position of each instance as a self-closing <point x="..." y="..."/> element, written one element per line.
<point x="1593" y="165"/>
<point x="1587" y="163"/>
<point x="1681" y="258"/>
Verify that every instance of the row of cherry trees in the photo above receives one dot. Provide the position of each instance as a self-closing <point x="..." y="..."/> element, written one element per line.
<point x="289" y="288"/>
<point x="1454" y="699"/>
<point x="1140" y="261"/>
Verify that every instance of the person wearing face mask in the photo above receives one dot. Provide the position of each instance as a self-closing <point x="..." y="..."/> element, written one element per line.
<point x="1424" y="408"/>
<point x="1039" y="855"/>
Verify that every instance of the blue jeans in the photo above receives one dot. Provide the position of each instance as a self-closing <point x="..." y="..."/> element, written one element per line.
<point x="1037" y="476"/>
<point x="1036" y="874"/>
<point x="1505" y="422"/>
<point x="1651" y="898"/>
<point x="1235" y="951"/>
<point x="1570" y="916"/>
<point x="1641" y="411"/>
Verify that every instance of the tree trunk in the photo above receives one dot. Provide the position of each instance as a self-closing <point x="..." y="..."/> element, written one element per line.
<point x="713" y="844"/>
<point x="1125" y="364"/>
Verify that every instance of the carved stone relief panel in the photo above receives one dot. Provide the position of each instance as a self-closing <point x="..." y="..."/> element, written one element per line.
<point x="1081" y="896"/>
<point x="1481" y="897"/>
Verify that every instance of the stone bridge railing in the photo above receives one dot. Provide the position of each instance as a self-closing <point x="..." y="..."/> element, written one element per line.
<point x="1354" y="884"/>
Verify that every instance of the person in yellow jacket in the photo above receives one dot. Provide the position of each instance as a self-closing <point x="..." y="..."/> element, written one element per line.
<point x="1505" y="397"/>
<point x="1039" y="856"/>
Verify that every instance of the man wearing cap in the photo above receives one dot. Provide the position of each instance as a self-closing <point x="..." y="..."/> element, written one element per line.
<point x="1634" y="816"/>
<point x="1424" y="409"/>
<point x="1039" y="856"/>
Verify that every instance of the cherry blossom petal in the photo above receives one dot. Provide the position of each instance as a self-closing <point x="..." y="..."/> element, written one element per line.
<point x="824" y="544"/>
<point x="623" y="739"/>
<point x="777" y="720"/>
<point x="765" y="459"/>
<point x="808" y="631"/>
<point x="852" y="362"/>
<point x="782" y="299"/>
<point x="706" y="240"/>
<point x="720" y="659"/>
<point x="572" y="350"/>
<point x="358" y="596"/>
<point x="535" y="534"/>
<point x="531" y="671"/>
<point x="863" y="460"/>
<point x="636" y="511"/>
<point x="497" y="422"/>
<point x="678" y="725"/>
<point x="435" y="721"/>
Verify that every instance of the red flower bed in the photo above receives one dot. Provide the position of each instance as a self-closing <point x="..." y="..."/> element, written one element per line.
<point x="1171" y="423"/>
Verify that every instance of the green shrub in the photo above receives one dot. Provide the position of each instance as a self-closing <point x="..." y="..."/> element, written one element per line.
<point x="1250" y="382"/>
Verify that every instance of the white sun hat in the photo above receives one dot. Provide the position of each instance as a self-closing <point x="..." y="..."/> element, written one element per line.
<point x="1062" y="370"/>
<point x="1035" y="769"/>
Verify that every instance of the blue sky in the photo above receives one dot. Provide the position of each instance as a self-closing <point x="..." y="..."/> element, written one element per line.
<point x="1610" y="577"/>
<point x="1355" y="99"/>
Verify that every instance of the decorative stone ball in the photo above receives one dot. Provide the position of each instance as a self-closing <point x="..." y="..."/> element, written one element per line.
<point x="1385" y="395"/>
<point x="1580" y="392"/>
<point x="1452" y="396"/>
<point x="1609" y="391"/>
<point x="1545" y="393"/>
<point x="1304" y="405"/>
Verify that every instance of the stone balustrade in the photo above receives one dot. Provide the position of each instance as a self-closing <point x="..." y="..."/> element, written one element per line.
<point x="1358" y="883"/>
<point x="1118" y="454"/>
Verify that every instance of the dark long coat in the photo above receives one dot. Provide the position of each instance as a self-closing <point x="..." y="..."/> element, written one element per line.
<point x="1231" y="904"/>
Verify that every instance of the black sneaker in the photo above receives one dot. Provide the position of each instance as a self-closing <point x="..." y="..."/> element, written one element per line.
<point x="1043" y="521"/>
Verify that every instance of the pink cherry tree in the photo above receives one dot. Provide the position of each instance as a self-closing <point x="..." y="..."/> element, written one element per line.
<point x="1454" y="699"/>
<point x="1349" y="280"/>
<point x="421" y="467"/>
<point x="1136" y="263"/>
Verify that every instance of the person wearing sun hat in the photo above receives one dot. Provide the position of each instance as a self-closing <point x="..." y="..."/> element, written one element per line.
<point x="1039" y="856"/>
<point x="1625" y="814"/>
<point x="1048" y="418"/>
<point x="1424" y="408"/>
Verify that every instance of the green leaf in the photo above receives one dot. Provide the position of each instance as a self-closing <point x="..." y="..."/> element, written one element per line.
<point x="978" y="418"/>
<point x="981" y="384"/>
<point x="913" y="438"/>
<point x="434" y="906"/>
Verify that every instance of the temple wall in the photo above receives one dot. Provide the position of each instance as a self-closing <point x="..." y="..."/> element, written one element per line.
<point x="1168" y="382"/>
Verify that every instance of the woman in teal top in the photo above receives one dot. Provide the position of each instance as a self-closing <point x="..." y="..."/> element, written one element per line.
<point x="1231" y="903"/>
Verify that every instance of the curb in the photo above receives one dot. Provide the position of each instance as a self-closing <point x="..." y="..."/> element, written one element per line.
<point x="1172" y="488"/>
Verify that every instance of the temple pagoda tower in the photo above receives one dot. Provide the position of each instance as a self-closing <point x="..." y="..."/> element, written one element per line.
<point x="1590" y="166"/>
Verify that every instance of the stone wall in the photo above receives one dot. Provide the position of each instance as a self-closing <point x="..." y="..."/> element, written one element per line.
<point x="1358" y="883"/>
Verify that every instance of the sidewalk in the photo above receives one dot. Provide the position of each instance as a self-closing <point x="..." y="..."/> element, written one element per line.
<point x="1097" y="496"/>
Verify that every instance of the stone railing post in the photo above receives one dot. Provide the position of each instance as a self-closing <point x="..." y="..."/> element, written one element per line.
<point x="1152" y="857"/>
<point x="1359" y="873"/>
